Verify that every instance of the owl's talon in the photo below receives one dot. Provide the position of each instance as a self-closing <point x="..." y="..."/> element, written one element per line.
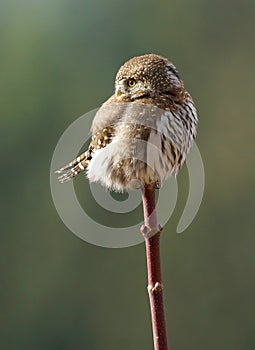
<point x="157" y="185"/>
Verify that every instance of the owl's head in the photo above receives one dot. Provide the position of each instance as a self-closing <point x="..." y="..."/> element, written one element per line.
<point x="147" y="76"/>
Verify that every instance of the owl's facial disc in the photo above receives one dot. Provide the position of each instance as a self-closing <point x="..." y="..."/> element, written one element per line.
<point x="130" y="89"/>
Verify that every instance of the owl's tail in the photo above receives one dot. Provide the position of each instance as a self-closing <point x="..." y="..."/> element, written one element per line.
<point x="73" y="168"/>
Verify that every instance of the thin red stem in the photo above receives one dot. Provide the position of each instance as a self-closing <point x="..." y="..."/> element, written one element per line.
<point x="155" y="287"/>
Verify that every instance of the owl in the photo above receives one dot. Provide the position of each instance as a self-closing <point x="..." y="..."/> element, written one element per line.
<point x="142" y="134"/>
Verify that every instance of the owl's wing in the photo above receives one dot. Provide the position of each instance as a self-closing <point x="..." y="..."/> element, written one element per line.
<point x="99" y="140"/>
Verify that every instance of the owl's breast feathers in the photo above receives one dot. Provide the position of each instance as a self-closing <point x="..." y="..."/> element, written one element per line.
<point x="161" y="122"/>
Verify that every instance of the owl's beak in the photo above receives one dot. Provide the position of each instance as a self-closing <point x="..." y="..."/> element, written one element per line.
<point x="118" y="93"/>
<point x="136" y="93"/>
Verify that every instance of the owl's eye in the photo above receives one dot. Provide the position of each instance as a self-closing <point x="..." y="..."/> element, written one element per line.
<point x="131" y="82"/>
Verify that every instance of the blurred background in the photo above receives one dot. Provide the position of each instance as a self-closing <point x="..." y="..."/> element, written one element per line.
<point x="58" y="61"/>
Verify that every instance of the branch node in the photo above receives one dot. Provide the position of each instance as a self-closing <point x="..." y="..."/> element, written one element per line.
<point x="158" y="287"/>
<point x="149" y="232"/>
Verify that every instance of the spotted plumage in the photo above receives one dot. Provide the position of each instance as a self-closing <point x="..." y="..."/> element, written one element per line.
<point x="143" y="133"/>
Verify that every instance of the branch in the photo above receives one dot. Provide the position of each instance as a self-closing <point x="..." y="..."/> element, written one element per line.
<point x="151" y="231"/>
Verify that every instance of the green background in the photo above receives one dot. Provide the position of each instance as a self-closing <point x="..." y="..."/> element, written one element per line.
<point x="58" y="61"/>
